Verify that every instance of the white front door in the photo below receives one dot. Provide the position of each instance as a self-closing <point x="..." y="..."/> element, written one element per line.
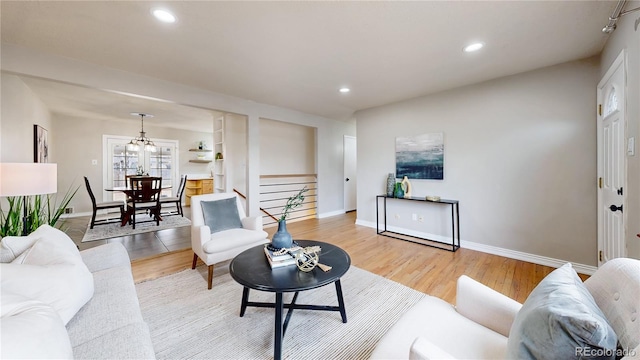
<point x="350" y="173"/>
<point x="611" y="163"/>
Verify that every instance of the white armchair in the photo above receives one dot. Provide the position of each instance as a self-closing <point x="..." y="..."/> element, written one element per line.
<point x="222" y="245"/>
<point x="478" y="327"/>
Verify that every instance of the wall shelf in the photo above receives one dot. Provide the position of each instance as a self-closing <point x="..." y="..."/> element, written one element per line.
<point x="200" y="161"/>
<point x="201" y="150"/>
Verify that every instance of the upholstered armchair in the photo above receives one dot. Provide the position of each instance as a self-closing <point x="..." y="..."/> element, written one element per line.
<point x="485" y="324"/>
<point x="220" y="230"/>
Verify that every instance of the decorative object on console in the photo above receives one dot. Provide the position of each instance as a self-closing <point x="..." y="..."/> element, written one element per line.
<point x="391" y="183"/>
<point x="282" y="238"/>
<point x="142" y="140"/>
<point x="406" y="187"/>
<point x="398" y="193"/>
<point x="420" y="157"/>
<point x="432" y="198"/>
<point x="24" y="180"/>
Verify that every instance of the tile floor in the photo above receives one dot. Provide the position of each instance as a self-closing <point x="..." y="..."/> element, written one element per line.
<point x="139" y="245"/>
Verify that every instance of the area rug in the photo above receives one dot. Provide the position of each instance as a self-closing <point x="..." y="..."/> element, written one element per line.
<point x="107" y="231"/>
<point x="188" y="321"/>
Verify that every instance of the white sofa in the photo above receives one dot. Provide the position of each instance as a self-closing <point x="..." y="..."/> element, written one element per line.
<point x="91" y="314"/>
<point x="479" y="325"/>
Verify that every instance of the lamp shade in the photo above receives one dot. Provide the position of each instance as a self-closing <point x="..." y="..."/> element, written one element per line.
<point x="25" y="179"/>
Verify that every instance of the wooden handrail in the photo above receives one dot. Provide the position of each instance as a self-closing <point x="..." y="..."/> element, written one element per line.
<point x="261" y="209"/>
<point x="286" y="176"/>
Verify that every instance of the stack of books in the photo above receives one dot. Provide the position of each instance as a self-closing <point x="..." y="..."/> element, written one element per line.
<point x="276" y="261"/>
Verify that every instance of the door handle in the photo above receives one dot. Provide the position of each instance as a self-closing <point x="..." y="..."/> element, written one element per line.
<point x="347" y="179"/>
<point x="615" y="208"/>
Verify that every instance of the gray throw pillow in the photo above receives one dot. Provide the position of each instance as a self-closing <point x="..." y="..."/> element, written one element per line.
<point x="221" y="215"/>
<point x="560" y="320"/>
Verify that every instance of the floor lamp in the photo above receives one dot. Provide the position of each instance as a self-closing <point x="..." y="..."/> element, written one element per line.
<point x="27" y="179"/>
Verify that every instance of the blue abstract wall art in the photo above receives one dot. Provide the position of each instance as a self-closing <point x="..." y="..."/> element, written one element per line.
<point x="420" y="157"/>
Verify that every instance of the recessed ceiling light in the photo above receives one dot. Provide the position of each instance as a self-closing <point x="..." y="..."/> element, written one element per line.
<point x="344" y="90"/>
<point x="164" y="15"/>
<point x="473" y="47"/>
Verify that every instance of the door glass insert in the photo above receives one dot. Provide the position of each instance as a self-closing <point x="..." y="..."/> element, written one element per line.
<point x="611" y="104"/>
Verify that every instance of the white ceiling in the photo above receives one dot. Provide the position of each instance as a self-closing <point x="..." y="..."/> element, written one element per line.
<point x="94" y="104"/>
<point x="296" y="54"/>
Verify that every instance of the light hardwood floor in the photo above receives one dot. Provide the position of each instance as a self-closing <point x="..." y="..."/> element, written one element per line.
<point x="420" y="267"/>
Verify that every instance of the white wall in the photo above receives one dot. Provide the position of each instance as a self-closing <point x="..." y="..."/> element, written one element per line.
<point x="329" y="132"/>
<point x="21" y="109"/>
<point x="520" y="156"/>
<point x="236" y="146"/>
<point x="286" y="148"/>
<point x="627" y="36"/>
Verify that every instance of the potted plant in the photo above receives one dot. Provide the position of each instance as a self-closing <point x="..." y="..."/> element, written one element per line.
<point x="40" y="211"/>
<point x="282" y="238"/>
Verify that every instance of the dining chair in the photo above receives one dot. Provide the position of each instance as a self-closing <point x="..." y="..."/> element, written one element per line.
<point x="102" y="206"/>
<point x="144" y="195"/>
<point x="177" y="200"/>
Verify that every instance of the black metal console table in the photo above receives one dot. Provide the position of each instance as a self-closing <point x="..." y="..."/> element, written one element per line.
<point x="455" y="224"/>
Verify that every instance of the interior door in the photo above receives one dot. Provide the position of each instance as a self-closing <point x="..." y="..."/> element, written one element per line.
<point x="350" y="173"/>
<point x="611" y="163"/>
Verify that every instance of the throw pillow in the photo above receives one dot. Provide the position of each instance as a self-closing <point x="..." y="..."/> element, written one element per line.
<point x="31" y="329"/>
<point x="560" y="320"/>
<point x="53" y="272"/>
<point x="221" y="215"/>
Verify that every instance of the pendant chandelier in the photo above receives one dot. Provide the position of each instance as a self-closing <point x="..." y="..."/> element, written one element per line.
<point x="142" y="140"/>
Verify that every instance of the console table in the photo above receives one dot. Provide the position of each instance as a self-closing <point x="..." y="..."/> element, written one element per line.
<point x="455" y="223"/>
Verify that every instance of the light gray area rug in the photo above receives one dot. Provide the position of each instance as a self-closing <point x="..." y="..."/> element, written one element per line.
<point x="107" y="231"/>
<point x="188" y="321"/>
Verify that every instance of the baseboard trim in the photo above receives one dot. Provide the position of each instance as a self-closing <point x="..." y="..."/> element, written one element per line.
<point x="331" y="213"/>
<point x="494" y="250"/>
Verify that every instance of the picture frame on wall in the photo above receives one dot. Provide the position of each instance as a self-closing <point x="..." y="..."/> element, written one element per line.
<point x="40" y="145"/>
<point x="420" y="157"/>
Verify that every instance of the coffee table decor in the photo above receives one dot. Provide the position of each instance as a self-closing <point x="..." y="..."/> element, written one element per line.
<point x="281" y="257"/>
<point x="282" y="238"/>
<point x="307" y="259"/>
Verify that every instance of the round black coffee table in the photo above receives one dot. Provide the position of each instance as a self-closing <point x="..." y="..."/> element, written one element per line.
<point x="251" y="270"/>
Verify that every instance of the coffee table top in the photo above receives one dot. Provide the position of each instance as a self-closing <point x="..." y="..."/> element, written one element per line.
<point x="251" y="269"/>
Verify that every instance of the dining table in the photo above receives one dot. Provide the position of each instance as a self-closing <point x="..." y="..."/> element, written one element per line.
<point x="129" y="193"/>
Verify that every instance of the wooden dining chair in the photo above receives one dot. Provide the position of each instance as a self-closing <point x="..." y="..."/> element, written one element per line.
<point x="102" y="206"/>
<point x="144" y="195"/>
<point x="177" y="200"/>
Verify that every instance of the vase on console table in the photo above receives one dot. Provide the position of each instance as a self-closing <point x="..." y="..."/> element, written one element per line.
<point x="391" y="183"/>
<point x="399" y="192"/>
<point x="282" y="238"/>
<point x="406" y="186"/>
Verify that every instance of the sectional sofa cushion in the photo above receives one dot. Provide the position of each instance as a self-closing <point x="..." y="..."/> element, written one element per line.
<point x="51" y="271"/>
<point x="31" y="329"/>
<point x="560" y="320"/>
